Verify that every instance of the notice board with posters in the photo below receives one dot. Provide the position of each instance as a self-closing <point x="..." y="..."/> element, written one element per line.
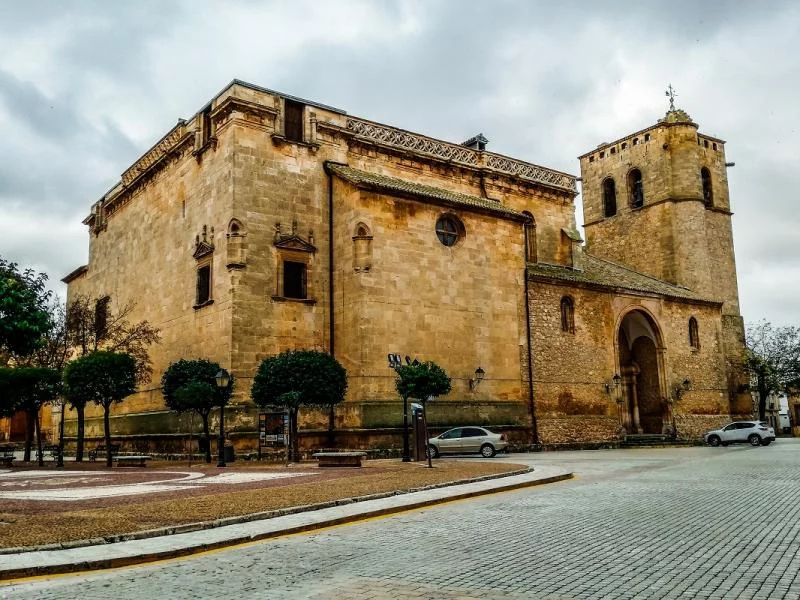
<point x="273" y="429"/>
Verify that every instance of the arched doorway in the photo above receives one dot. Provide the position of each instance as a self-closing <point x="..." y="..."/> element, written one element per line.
<point x="639" y="345"/>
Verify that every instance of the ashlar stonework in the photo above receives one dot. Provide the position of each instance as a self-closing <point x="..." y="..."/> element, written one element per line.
<point x="266" y="222"/>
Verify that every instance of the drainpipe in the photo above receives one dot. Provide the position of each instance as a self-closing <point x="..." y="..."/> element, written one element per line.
<point x="532" y="405"/>
<point x="331" y="339"/>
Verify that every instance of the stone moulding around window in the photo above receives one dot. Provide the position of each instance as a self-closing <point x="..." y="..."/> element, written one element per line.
<point x="208" y="302"/>
<point x="308" y="301"/>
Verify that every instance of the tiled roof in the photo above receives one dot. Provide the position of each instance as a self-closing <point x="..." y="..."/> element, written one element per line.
<point x="394" y="186"/>
<point x="610" y="275"/>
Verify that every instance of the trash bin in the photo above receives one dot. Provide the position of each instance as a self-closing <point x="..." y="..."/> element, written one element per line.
<point x="230" y="455"/>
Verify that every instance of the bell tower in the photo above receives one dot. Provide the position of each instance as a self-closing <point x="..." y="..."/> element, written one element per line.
<point x="657" y="201"/>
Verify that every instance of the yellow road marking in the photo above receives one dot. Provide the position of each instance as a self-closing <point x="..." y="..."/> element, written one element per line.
<point x="240" y="545"/>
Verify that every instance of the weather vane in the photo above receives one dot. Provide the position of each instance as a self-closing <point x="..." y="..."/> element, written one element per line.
<point x="671" y="94"/>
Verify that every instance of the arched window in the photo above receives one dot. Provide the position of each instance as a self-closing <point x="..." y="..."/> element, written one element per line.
<point x="609" y="197"/>
<point x="530" y="238"/>
<point x="362" y="249"/>
<point x="567" y="315"/>
<point x="635" y="188"/>
<point x="694" y="335"/>
<point x="708" y="193"/>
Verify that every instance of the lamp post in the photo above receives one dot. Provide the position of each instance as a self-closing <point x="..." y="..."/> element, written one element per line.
<point x="406" y="451"/>
<point x="223" y="379"/>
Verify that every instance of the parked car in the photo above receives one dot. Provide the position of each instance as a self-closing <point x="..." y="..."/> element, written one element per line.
<point x="464" y="440"/>
<point x="755" y="433"/>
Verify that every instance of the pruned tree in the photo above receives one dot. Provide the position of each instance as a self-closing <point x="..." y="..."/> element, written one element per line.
<point x="92" y="326"/>
<point x="28" y="389"/>
<point x="773" y="360"/>
<point x="190" y="385"/>
<point x="298" y="378"/>
<point x="23" y="310"/>
<point x="422" y="381"/>
<point x="104" y="378"/>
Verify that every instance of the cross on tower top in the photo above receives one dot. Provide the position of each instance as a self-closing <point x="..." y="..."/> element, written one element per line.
<point x="671" y="94"/>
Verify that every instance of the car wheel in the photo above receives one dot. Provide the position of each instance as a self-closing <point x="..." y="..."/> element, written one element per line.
<point x="714" y="441"/>
<point x="487" y="451"/>
<point x="433" y="451"/>
<point x="766" y="442"/>
<point x="754" y="440"/>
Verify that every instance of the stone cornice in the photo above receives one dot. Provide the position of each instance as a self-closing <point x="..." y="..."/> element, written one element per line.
<point x="394" y="139"/>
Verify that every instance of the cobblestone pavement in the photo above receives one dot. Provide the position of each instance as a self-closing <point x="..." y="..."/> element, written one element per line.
<point x="660" y="523"/>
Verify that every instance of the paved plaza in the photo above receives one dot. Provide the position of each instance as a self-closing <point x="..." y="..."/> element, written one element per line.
<point x="651" y="523"/>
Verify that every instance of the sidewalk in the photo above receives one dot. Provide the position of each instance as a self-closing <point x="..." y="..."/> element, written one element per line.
<point x="104" y="556"/>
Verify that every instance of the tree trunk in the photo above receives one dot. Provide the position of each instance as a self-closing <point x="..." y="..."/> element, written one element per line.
<point x="763" y="393"/>
<point x="79" y="441"/>
<point x="331" y="423"/>
<point x="293" y="433"/>
<point x="107" y="432"/>
<point x="28" y="435"/>
<point x="207" y="434"/>
<point x="38" y="427"/>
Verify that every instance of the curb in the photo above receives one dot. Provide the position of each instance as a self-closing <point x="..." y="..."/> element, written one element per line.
<point x="269" y="514"/>
<point x="111" y="563"/>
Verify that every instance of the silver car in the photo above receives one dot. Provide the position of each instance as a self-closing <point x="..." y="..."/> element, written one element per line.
<point x="464" y="440"/>
<point x="755" y="433"/>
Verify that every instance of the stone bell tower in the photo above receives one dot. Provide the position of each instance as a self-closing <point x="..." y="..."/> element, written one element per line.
<point x="657" y="201"/>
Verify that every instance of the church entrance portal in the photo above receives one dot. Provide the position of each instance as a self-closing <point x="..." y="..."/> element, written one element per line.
<point x="643" y="407"/>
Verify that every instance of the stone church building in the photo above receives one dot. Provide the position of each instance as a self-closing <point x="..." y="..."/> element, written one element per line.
<point x="267" y="222"/>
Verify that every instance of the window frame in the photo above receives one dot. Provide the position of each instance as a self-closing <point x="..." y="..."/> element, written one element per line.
<point x="199" y="301"/>
<point x="456" y="235"/>
<point x="303" y="283"/>
<point x="567" y="311"/>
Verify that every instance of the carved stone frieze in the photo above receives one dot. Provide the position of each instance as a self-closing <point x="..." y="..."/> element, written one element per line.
<point x="456" y="153"/>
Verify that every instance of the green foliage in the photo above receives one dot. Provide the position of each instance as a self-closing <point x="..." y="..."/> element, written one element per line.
<point x="24" y="317"/>
<point x="30" y="387"/>
<point x="299" y="378"/>
<point x="191" y="385"/>
<point x="101" y="377"/>
<point x="421" y="381"/>
<point x="773" y="359"/>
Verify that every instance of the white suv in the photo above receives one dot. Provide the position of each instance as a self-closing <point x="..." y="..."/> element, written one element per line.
<point x="755" y="433"/>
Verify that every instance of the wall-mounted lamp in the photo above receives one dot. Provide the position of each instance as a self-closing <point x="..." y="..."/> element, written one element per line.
<point x="473" y="383"/>
<point x="679" y="389"/>
<point x="614" y="386"/>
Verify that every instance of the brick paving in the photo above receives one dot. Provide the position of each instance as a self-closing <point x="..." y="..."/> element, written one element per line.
<point x="662" y="523"/>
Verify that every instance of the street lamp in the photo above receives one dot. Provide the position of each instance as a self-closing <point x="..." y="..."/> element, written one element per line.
<point x="406" y="450"/>
<point x="223" y="379"/>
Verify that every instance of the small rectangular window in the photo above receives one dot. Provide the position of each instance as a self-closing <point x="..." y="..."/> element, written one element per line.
<point x="101" y="316"/>
<point x="294" y="280"/>
<point x="203" y="284"/>
<point x="293" y="121"/>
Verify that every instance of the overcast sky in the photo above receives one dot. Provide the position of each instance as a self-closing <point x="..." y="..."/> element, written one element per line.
<point x="87" y="87"/>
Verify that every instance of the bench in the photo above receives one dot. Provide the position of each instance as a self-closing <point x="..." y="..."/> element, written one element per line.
<point x="7" y="454"/>
<point x="101" y="449"/>
<point x="51" y="449"/>
<point x="131" y="461"/>
<point x="340" y="459"/>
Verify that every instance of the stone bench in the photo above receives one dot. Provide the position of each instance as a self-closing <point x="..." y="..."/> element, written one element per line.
<point x="131" y="461"/>
<point x="340" y="459"/>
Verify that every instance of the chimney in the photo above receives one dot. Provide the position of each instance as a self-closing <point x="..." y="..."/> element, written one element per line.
<point x="476" y="142"/>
